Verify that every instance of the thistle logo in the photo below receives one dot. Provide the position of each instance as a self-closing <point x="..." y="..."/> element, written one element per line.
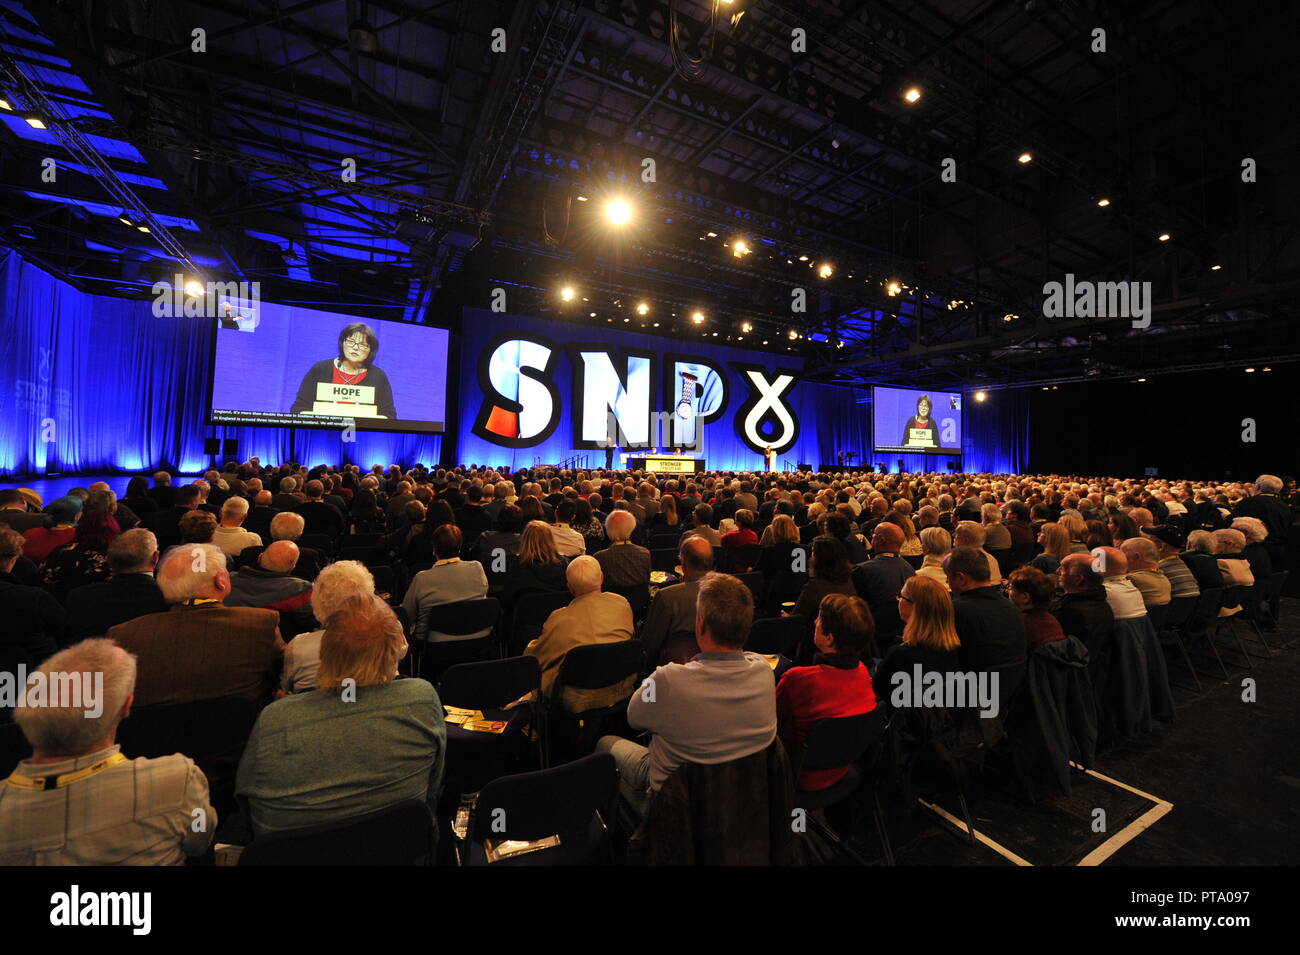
<point x="521" y="404"/>
<point x="766" y="403"/>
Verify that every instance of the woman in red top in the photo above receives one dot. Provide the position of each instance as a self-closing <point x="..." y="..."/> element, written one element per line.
<point x="837" y="684"/>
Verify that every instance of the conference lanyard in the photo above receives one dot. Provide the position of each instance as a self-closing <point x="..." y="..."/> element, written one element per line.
<point x="41" y="783"/>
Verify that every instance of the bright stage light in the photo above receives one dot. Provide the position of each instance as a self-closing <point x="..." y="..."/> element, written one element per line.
<point x="740" y="248"/>
<point x="746" y="327"/>
<point x="1025" y="158"/>
<point x="567" y="293"/>
<point x="1163" y="237"/>
<point x="826" y="270"/>
<point x="143" y="228"/>
<point x="1103" y="202"/>
<point x="34" y="122"/>
<point x="697" y="317"/>
<point x="618" y="212"/>
<point x="793" y="333"/>
<point x="893" y="288"/>
<point x="642" y="308"/>
<point x="1215" y="268"/>
<point x="4" y="105"/>
<point x="980" y="395"/>
<point x="194" y="288"/>
<point x="913" y="94"/>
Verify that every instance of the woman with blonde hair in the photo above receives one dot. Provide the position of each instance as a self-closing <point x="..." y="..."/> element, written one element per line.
<point x="1055" y="540"/>
<point x="1077" y="528"/>
<point x="935" y="545"/>
<point x="929" y="638"/>
<point x="539" y="569"/>
<point x="362" y="741"/>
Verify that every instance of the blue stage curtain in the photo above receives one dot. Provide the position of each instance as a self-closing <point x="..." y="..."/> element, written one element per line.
<point x="95" y="384"/>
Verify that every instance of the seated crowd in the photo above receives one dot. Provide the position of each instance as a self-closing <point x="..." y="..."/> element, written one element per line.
<point x="300" y="591"/>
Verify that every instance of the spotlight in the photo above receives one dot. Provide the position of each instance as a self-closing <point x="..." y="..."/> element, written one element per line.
<point x="143" y="228"/>
<point x="826" y="270"/>
<point x="1163" y="237"/>
<point x="980" y="395"/>
<point x="642" y="308"/>
<point x="1103" y="202"/>
<point x="1025" y="158"/>
<point x="582" y="198"/>
<point x="125" y="219"/>
<point x="1215" y="268"/>
<point x="740" y="248"/>
<point x="913" y="94"/>
<point x="34" y="122"/>
<point x="893" y="288"/>
<point x="803" y="258"/>
<point x="567" y="293"/>
<point x="618" y="212"/>
<point x="194" y="288"/>
<point x="593" y="314"/>
<point x="4" y="105"/>
<point x="1250" y="371"/>
<point x="711" y="235"/>
<point x="697" y="317"/>
<point x="1140" y="380"/>
<point x="1009" y="318"/>
<point x="1266" y="369"/>
<point x="746" y="327"/>
<point x="793" y="334"/>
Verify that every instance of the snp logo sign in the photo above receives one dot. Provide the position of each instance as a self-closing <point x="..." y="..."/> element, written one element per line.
<point x="76" y="908"/>
<point x="766" y="418"/>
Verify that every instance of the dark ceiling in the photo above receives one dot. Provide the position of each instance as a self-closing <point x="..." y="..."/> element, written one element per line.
<point x="479" y="169"/>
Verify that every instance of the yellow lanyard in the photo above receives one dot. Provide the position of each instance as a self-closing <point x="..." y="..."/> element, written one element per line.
<point x="42" y="783"/>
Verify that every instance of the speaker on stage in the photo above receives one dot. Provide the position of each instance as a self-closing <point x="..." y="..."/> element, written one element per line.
<point x="211" y="445"/>
<point x="230" y="448"/>
<point x="900" y="465"/>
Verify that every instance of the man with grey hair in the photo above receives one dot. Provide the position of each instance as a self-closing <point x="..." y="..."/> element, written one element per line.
<point x="624" y="564"/>
<point x="719" y="707"/>
<point x="591" y="617"/>
<point x="1268" y="506"/>
<point x="1145" y="573"/>
<point x="1234" y="568"/>
<point x="319" y="517"/>
<point x="230" y="535"/>
<point x="130" y="592"/>
<point x="200" y="649"/>
<point x="288" y="526"/>
<point x="289" y="496"/>
<point x="79" y="800"/>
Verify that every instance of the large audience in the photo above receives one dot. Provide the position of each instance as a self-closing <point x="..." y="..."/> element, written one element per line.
<point x="304" y="593"/>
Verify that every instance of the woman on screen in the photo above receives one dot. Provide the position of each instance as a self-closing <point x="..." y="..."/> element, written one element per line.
<point x="920" y="431"/>
<point x="358" y="345"/>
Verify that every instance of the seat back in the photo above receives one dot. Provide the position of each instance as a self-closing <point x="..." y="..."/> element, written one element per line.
<point x="1207" y="606"/>
<point x="741" y="560"/>
<point x="638" y="597"/>
<point x="914" y="560"/>
<point x="1178" y="612"/>
<point x="201" y="729"/>
<point x="664" y="559"/>
<point x="401" y="834"/>
<point x="836" y="742"/>
<point x="533" y="609"/>
<point x="462" y="617"/>
<point x="490" y="684"/>
<point x="776" y="634"/>
<point x="560" y="800"/>
<point x="598" y="665"/>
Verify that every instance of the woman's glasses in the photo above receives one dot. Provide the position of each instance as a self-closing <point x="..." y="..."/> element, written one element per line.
<point x="357" y="343"/>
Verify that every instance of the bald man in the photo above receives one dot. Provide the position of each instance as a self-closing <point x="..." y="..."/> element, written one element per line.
<point x="673" y="608"/>
<point x="880" y="579"/>
<point x="1145" y="573"/>
<point x="1082" y="608"/>
<point x="270" y="582"/>
<point x="1124" y="598"/>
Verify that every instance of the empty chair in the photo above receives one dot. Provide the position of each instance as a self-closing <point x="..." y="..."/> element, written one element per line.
<point x="401" y="834"/>
<point x="777" y="635"/>
<point x="664" y="559"/>
<point x="530" y="616"/>
<point x="460" y="619"/>
<point x="488" y="686"/>
<point x="1172" y="624"/>
<point x="573" y="802"/>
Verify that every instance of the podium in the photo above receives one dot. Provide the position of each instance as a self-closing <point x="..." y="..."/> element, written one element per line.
<point x="345" y="401"/>
<point x="667" y="464"/>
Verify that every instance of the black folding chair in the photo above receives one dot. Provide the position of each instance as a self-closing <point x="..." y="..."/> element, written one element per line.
<point x="1173" y="622"/>
<point x="401" y="834"/>
<point x="321" y="542"/>
<point x="457" y="619"/>
<point x="571" y="802"/>
<point x="664" y="559"/>
<point x="1197" y="628"/>
<point x="592" y="667"/>
<point x="832" y="744"/>
<point x="530" y="616"/>
<point x="489" y="686"/>
<point x="638" y="597"/>
<point x="755" y="582"/>
<point x="777" y="635"/>
<point x="1235" y="597"/>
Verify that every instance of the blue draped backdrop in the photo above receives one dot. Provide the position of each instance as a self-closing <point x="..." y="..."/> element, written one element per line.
<point x="98" y="385"/>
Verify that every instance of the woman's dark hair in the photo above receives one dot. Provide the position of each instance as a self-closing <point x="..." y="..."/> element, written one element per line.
<point x="1034" y="584"/>
<point x="530" y="509"/>
<point x="581" y="512"/>
<point x="137" y="487"/>
<point x="1125" y="527"/>
<point x="926" y="400"/>
<point x="509" y="520"/>
<point x="1098" y="535"/>
<point x="849" y="622"/>
<point x="371" y="339"/>
<point x="830" y="560"/>
<point x="439" y="513"/>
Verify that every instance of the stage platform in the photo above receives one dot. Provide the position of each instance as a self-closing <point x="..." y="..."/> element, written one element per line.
<point x="50" y="488"/>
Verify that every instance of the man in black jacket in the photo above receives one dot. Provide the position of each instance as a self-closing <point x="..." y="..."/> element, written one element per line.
<point x="880" y="580"/>
<point x="165" y="523"/>
<point x="31" y="621"/>
<point x="131" y="592"/>
<point x="14" y="512"/>
<point x="991" y="629"/>
<point x="1266" y="505"/>
<point x="1082" y="610"/>
<point x="319" y="517"/>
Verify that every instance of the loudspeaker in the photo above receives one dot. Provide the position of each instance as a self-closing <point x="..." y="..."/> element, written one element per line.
<point x="211" y="445"/>
<point x="230" y="448"/>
